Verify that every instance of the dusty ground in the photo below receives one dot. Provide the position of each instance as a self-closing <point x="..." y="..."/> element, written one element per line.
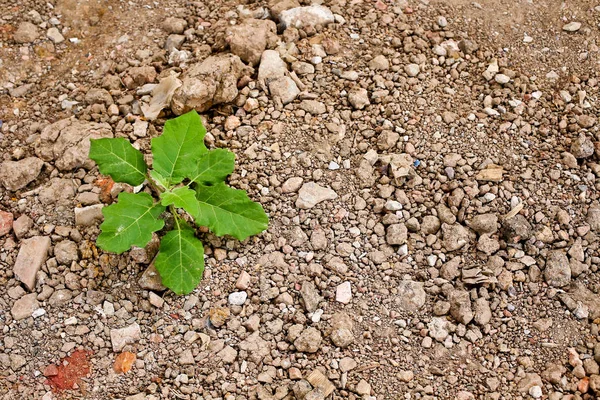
<point x="462" y="286"/>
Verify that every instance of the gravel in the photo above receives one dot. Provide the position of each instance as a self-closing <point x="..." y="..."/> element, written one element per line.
<point x="431" y="179"/>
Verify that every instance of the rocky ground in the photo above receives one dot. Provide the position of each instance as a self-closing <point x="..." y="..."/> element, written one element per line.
<point x="429" y="169"/>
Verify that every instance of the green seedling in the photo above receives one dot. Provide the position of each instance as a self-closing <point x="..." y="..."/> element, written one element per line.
<point x="189" y="181"/>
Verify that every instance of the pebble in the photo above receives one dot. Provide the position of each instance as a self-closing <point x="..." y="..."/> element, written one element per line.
<point x="572" y="26"/>
<point x="343" y="293"/>
<point x="32" y="255"/>
<point x="25" y="307"/>
<point x="312" y="194"/>
<point x="124" y="336"/>
<point x="238" y="298"/>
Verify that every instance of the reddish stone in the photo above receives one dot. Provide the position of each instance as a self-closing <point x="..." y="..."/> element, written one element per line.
<point x="71" y="370"/>
<point x="51" y="370"/>
<point x="6" y="222"/>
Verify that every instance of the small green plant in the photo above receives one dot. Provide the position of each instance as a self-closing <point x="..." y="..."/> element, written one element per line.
<point x="185" y="175"/>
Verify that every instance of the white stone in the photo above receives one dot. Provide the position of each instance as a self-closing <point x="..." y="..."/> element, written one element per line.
<point x="572" y="26"/>
<point x="412" y="70"/>
<point x="343" y="293"/>
<point x="238" y="298"/>
<point x="501" y="79"/>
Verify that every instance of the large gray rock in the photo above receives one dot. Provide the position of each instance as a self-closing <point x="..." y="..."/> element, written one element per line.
<point x="15" y="175"/>
<point x="558" y="271"/>
<point x="396" y="234"/>
<point x="516" y="229"/>
<point x="455" y="236"/>
<point x="411" y="295"/>
<point x="309" y="341"/>
<point x="68" y="142"/>
<point x="249" y="39"/>
<point x="211" y="82"/>
<point x="460" y="306"/>
<point x="26" y="33"/>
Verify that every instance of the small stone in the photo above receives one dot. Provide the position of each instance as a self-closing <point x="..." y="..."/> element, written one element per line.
<point x="31" y="256"/>
<point x="174" y="25"/>
<point x="218" y="316"/>
<point x="558" y="271"/>
<point x="309" y="341"/>
<point x="460" y="306"/>
<point x="411" y="295"/>
<point x="343" y="293"/>
<point x="285" y="88"/>
<point x="320" y="381"/>
<point x="358" y="98"/>
<point x="156" y="300"/>
<point x="396" y="234"/>
<point x="535" y="392"/>
<point x="313" y="107"/>
<point x="582" y="147"/>
<point x="65" y="252"/>
<point x="25" y="306"/>
<point x="55" y="35"/>
<point x="405" y="375"/>
<point x="243" y="281"/>
<point x="455" y="236"/>
<point x="438" y="328"/>
<point x="379" y="63"/>
<point x="363" y="388"/>
<point x="482" y="312"/>
<point x="292" y="185"/>
<point x="484" y="223"/>
<point x="347" y="364"/>
<point x="22" y="225"/>
<point x="516" y="229"/>
<point x="15" y="175"/>
<point x="231" y="123"/>
<point x="237" y="298"/>
<point x="412" y="70"/>
<point x="501" y="79"/>
<point x="151" y="280"/>
<point x="6" y="222"/>
<point x="227" y="355"/>
<point x="304" y="17"/>
<point x="572" y="26"/>
<point x="310" y="296"/>
<point x="88" y="216"/>
<point x="312" y="194"/>
<point x="124" y="336"/>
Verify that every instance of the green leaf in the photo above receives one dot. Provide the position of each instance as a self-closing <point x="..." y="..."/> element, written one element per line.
<point x="179" y="147"/>
<point x="180" y="261"/>
<point x="214" y="167"/>
<point x="182" y="197"/>
<point x="159" y="179"/>
<point x="119" y="159"/>
<point x="130" y="222"/>
<point x="228" y="211"/>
